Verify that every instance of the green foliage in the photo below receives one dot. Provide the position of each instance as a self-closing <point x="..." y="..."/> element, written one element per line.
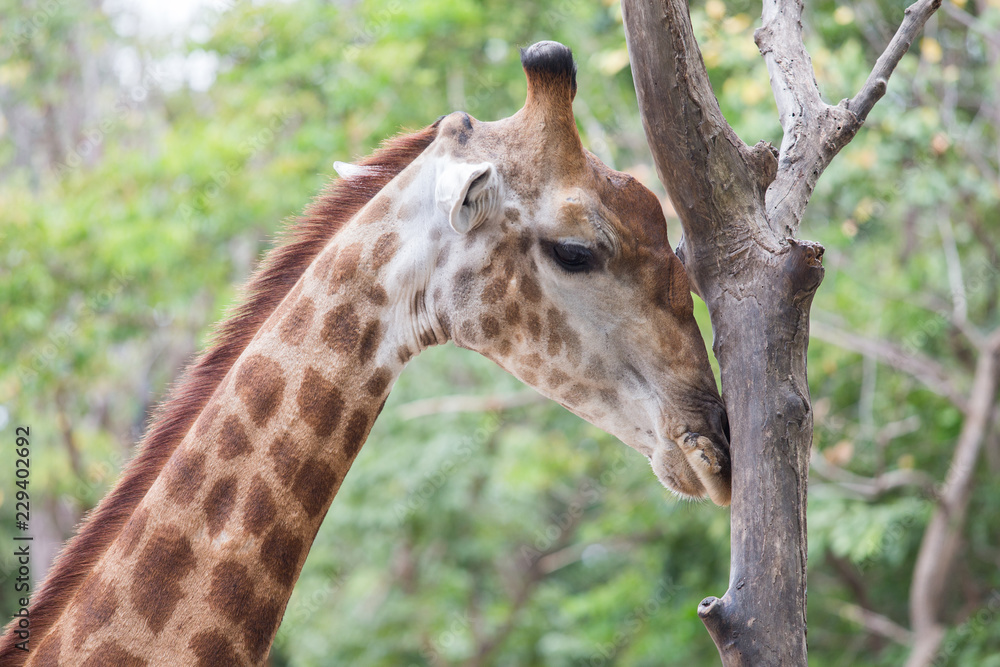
<point x="526" y="534"/>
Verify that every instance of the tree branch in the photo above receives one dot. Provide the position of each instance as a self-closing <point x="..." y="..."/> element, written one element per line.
<point x="871" y="488"/>
<point x="814" y="132"/>
<point x="941" y="541"/>
<point x="537" y="570"/>
<point x="914" y="18"/>
<point x="705" y="166"/>
<point x="877" y="624"/>
<point x="924" y="369"/>
<point x="740" y="208"/>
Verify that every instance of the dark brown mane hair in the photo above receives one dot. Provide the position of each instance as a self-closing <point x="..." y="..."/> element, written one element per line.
<point x="298" y="245"/>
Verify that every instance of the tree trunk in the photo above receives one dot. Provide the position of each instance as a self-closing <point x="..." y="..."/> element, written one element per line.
<point x="739" y="207"/>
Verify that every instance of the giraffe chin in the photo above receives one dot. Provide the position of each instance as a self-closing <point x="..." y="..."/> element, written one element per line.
<point x="694" y="466"/>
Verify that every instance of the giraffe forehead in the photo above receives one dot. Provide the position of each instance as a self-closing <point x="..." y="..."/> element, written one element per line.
<point x="634" y="210"/>
<point x="556" y="195"/>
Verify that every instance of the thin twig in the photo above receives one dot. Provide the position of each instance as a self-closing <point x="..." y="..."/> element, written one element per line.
<point x="929" y="372"/>
<point x="871" y="488"/>
<point x="914" y="18"/>
<point x="959" y="301"/>
<point x="877" y="623"/>
<point x="971" y="22"/>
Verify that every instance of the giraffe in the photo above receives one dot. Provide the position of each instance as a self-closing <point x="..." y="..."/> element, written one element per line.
<point x="505" y="237"/>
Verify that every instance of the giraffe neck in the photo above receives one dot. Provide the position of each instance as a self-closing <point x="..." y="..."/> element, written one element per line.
<point x="205" y="566"/>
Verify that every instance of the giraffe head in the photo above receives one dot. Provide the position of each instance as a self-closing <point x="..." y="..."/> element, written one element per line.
<point x="537" y="255"/>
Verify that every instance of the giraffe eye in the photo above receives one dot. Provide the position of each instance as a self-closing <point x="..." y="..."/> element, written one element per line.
<point x="573" y="257"/>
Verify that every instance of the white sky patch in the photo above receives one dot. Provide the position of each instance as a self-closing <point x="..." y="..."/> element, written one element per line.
<point x="172" y="23"/>
<point x="155" y="18"/>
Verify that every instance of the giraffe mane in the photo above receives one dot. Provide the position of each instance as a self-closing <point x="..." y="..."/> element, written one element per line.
<point x="297" y="246"/>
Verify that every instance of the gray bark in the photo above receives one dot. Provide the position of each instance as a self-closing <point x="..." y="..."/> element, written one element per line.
<point x="740" y="207"/>
<point x="942" y="539"/>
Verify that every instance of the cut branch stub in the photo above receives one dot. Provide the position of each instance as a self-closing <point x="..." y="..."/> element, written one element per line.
<point x="739" y="210"/>
<point x="718" y="621"/>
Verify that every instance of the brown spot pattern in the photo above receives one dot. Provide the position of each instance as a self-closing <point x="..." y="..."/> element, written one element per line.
<point x="95" y="605"/>
<point x="320" y="403"/>
<point x="260" y="626"/>
<point x="213" y="649"/>
<point x="512" y="313"/>
<point x="314" y="484"/>
<point x="111" y="654"/>
<point x="561" y="332"/>
<point x="232" y="594"/>
<point x="557" y="377"/>
<point x="445" y="321"/>
<point x="298" y="322"/>
<point x="406" y="209"/>
<point x="219" y="503"/>
<point x="577" y="394"/>
<point x="164" y="562"/>
<point x="443" y="254"/>
<point x="573" y="347"/>
<point x="496" y="289"/>
<point x="47" y="655"/>
<point x="370" y="340"/>
<point x="533" y="360"/>
<point x="609" y="397"/>
<point x="490" y="326"/>
<point x="346" y="266"/>
<point x="206" y="419"/>
<point x="377" y="295"/>
<point x="325" y="263"/>
<point x="232" y="591"/>
<point x="354" y="436"/>
<point x="259" y="509"/>
<point x="503" y="347"/>
<point x="529" y="288"/>
<point x="523" y="242"/>
<point x="378" y="382"/>
<point x="185" y="475"/>
<point x="376" y="211"/>
<point x="555" y="343"/>
<point x="280" y="554"/>
<point x="233" y="438"/>
<point x="384" y="250"/>
<point x="260" y="384"/>
<point x="340" y="329"/>
<point x="534" y="324"/>
<point x="403" y="353"/>
<point x="468" y="333"/>
<point x="132" y="532"/>
<point x="462" y="285"/>
<point x="283" y="456"/>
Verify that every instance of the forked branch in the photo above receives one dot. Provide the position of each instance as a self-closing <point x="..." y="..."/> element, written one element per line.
<point x="740" y="209"/>
<point x="814" y="131"/>
<point x="692" y="144"/>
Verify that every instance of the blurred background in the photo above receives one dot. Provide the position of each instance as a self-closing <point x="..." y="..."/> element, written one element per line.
<point x="150" y="151"/>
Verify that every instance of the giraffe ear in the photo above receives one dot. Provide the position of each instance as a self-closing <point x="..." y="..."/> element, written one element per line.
<point x="348" y="170"/>
<point x="466" y="193"/>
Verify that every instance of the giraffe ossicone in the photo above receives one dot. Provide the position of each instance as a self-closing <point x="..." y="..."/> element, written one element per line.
<point x="505" y="237"/>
